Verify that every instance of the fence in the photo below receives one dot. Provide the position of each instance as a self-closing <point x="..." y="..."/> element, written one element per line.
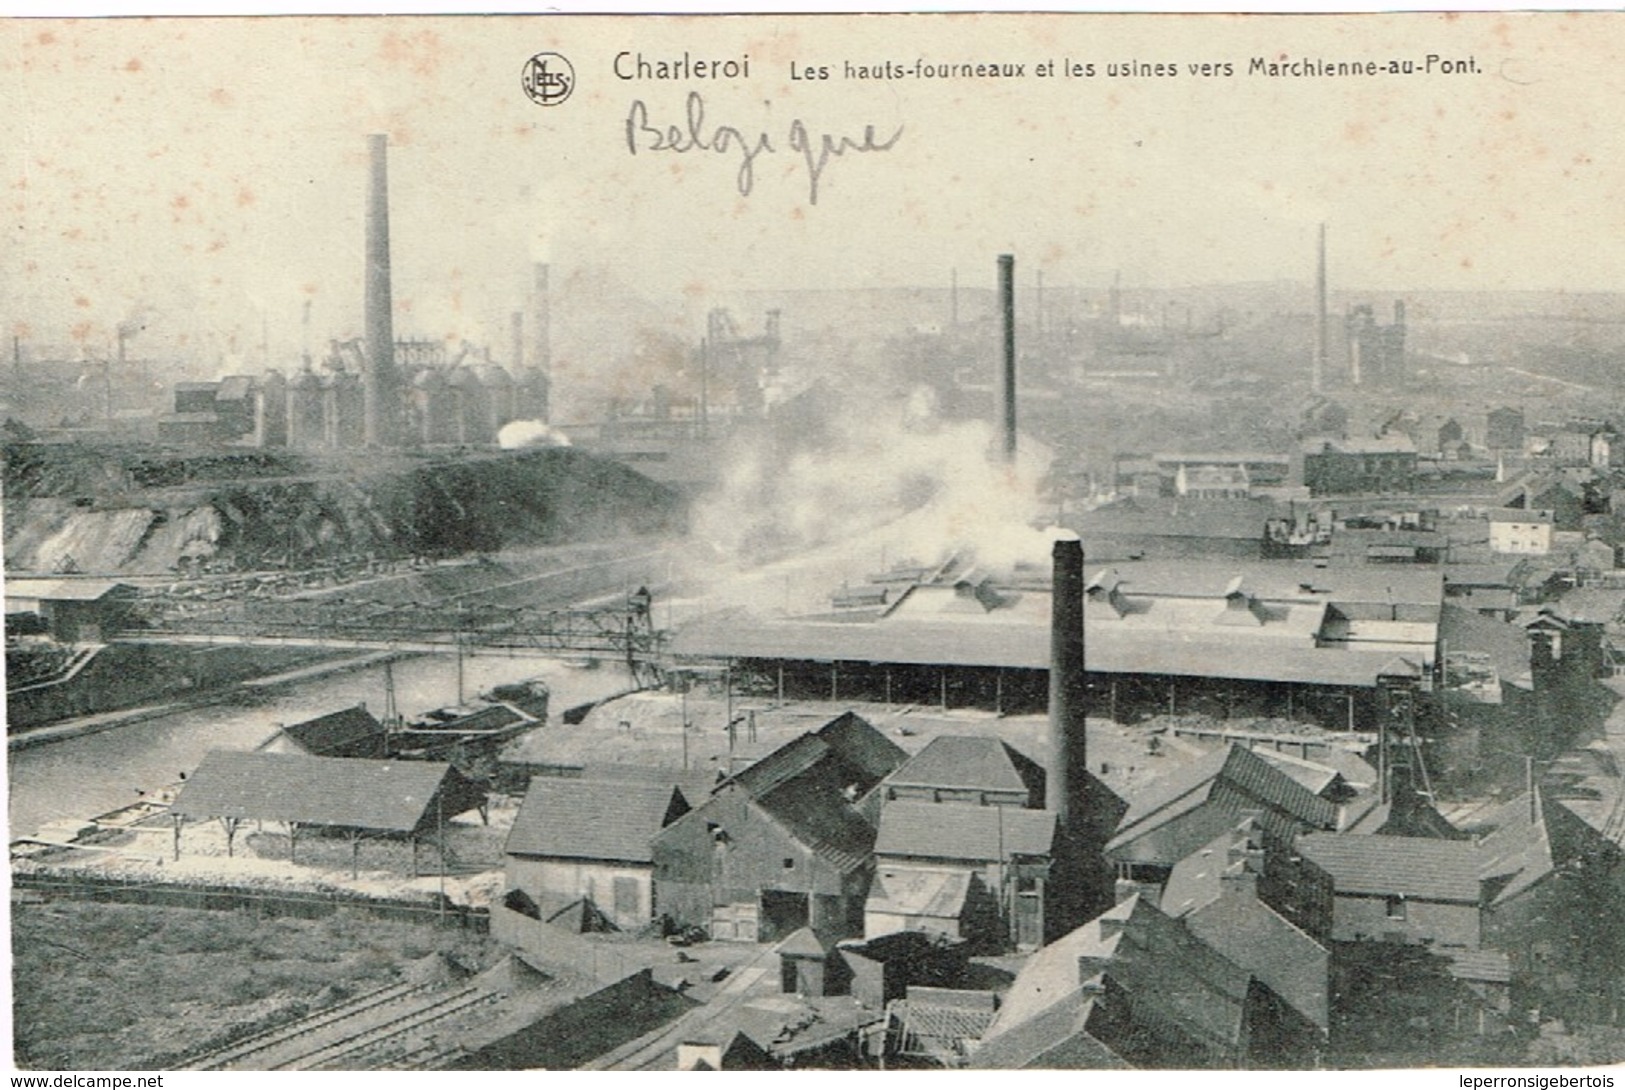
<point x="303" y="905"/>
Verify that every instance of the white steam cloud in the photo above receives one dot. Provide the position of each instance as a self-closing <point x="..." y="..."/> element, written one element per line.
<point x="530" y="433"/>
<point x="886" y="482"/>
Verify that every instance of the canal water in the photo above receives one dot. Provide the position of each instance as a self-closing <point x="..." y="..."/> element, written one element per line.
<point x="80" y="777"/>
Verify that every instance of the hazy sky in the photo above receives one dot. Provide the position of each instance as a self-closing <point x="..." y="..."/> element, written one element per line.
<point x="209" y="175"/>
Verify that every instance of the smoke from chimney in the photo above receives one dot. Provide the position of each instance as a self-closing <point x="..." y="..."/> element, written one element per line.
<point x="378" y="386"/>
<point x="1007" y="369"/>
<point x="1068" y="753"/>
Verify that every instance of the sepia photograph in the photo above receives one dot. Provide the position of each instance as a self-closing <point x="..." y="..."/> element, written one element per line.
<point x="889" y="542"/>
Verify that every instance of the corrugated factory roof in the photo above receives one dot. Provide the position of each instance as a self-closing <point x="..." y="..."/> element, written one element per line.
<point x="384" y="796"/>
<point x="929" y="830"/>
<point x="582" y="819"/>
<point x="1393" y="866"/>
<point x="1025" y="647"/>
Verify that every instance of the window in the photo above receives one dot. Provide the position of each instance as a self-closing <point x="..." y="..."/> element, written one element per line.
<point x="1396" y="907"/>
<point x="789" y="864"/>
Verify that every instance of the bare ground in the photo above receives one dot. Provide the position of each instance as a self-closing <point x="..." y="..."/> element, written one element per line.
<point x="131" y="987"/>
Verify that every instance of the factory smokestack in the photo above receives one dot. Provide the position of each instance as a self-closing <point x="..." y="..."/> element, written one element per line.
<point x="516" y="350"/>
<point x="541" y="354"/>
<point x="1317" y="375"/>
<point x="1007" y="369"/>
<point x="1065" y="781"/>
<point x="378" y="387"/>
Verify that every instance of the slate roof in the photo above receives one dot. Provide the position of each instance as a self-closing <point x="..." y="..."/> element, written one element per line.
<point x="850" y="750"/>
<point x="861" y="745"/>
<point x="908" y="892"/>
<point x="971" y="762"/>
<point x="1231" y="779"/>
<point x="1520" y="852"/>
<point x="1059" y="1038"/>
<point x="1052" y="973"/>
<point x="928" y="830"/>
<point x="350" y="732"/>
<point x="695" y="784"/>
<point x="1518" y="514"/>
<point x="790" y="760"/>
<point x="348" y="792"/>
<point x="1413" y="867"/>
<point x="1168" y="974"/>
<point x="584" y="819"/>
<point x="1462" y="629"/>
<point x="1246" y="929"/>
<point x="813" y="808"/>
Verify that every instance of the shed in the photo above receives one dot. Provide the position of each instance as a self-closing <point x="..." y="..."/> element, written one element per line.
<point x="812" y="965"/>
<point x="74" y="610"/>
<point x="359" y="798"/>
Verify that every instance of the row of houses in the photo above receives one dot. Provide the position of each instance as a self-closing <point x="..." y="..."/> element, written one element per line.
<point x="1242" y="879"/>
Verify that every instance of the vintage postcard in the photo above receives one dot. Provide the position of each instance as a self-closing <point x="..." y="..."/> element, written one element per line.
<point x="883" y="542"/>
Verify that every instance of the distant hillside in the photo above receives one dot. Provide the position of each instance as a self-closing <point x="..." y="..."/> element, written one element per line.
<point x="139" y="511"/>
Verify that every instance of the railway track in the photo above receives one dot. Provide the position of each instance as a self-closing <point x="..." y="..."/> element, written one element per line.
<point x="238" y="1051"/>
<point x="377" y="1029"/>
<point x="371" y="1046"/>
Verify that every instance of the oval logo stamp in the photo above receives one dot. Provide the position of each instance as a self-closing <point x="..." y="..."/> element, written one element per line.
<point x="548" y="79"/>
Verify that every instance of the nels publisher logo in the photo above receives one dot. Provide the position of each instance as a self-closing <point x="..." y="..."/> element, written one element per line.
<point x="548" y="79"/>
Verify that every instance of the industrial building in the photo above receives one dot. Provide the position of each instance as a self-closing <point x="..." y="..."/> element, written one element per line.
<point x="376" y="391"/>
<point x="1376" y="352"/>
<point x="1217" y="636"/>
<point x="588" y="841"/>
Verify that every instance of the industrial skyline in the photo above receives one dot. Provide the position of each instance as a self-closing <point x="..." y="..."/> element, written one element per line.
<point x="235" y="177"/>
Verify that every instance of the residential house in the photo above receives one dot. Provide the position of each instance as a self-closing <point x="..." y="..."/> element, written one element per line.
<point x="1519" y="531"/>
<point x="1191" y="806"/>
<point x="784" y="844"/>
<point x="1215" y="892"/>
<point x="1136" y="987"/>
<point x="1562" y="496"/>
